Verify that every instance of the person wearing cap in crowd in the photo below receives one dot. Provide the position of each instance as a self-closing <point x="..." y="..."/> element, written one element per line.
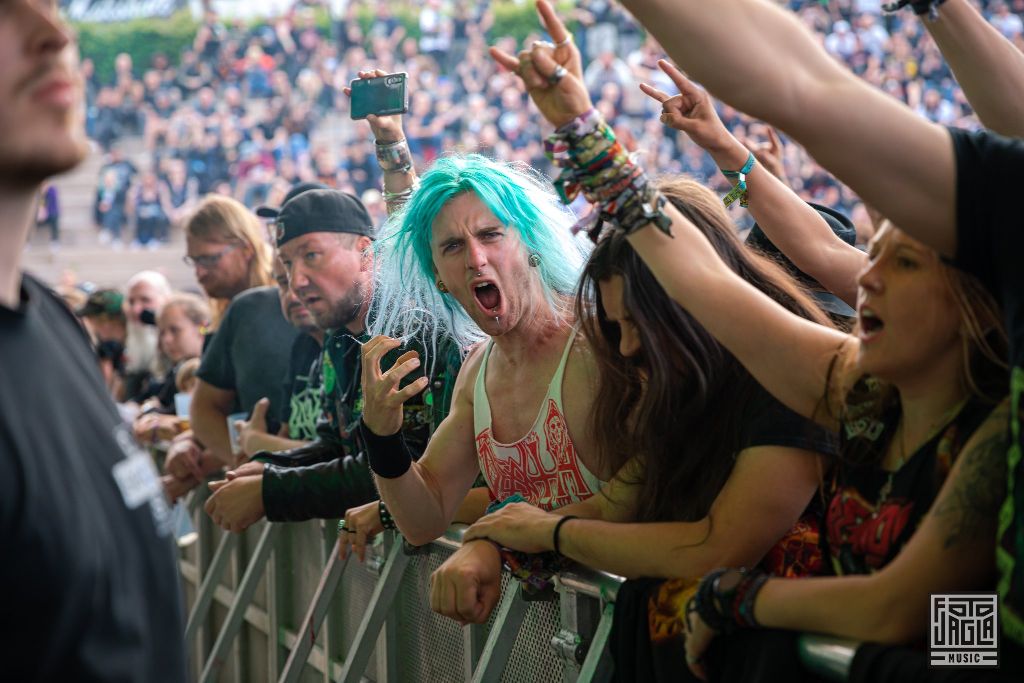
<point x="104" y="319"/>
<point x="324" y="239"/>
<point x="841" y="313"/>
<point x="93" y="591"/>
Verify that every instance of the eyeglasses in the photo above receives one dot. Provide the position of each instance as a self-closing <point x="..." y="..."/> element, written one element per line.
<point x="207" y="260"/>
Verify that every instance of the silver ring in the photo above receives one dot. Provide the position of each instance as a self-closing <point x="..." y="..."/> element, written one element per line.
<point x="565" y="41"/>
<point x="557" y="75"/>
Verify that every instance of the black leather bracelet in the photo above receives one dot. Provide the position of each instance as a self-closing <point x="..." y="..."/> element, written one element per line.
<point x="389" y="456"/>
<point x="558" y="528"/>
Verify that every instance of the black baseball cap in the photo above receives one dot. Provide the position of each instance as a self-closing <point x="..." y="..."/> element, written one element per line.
<point x="322" y="211"/>
<point x="297" y="189"/>
<point x="842" y="227"/>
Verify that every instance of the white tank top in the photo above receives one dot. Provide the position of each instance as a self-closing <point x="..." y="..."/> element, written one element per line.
<point x="542" y="466"/>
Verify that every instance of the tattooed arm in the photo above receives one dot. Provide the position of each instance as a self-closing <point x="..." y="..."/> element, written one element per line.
<point x="952" y="550"/>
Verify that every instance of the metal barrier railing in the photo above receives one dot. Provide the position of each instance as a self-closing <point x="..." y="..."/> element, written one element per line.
<point x="276" y="603"/>
<point x="373" y="621"/>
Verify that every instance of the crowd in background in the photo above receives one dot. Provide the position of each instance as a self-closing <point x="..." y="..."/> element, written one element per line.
<point x="239" y="113"/>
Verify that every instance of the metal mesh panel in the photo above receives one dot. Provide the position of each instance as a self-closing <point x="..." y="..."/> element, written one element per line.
<point x="532" y="658"/>
<point x="430" y="646"/>
<point x="350" y="602"/>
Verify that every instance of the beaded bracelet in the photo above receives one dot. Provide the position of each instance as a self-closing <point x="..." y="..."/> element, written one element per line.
<point x="726" y="609"/>
<point x="386" y="520"/>
<point x="394" y="156"/>
<point x="594" y="163"/>
<point x="739" y="190"/>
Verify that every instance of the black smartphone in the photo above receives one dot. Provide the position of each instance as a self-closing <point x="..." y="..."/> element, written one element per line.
<point x="380" y="96"/>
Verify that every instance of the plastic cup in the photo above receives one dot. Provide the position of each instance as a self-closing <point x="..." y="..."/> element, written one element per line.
<point x="236" y="446"/>
<point x="182" y="404"/>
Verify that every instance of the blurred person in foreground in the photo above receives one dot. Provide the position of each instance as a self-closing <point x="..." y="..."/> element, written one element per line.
<point x="97" y="588"/>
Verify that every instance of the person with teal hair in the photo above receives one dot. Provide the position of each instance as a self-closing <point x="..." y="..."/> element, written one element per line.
<point x="481" y="252"/>
<point x="408" y="299"/>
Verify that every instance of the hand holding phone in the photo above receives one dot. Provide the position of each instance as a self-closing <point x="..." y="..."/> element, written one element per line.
<point x="380" y="96"/>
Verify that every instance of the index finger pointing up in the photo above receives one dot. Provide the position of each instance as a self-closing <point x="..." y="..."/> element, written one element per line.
<point x="554" y="26"/>
<point x="685" y="85"/>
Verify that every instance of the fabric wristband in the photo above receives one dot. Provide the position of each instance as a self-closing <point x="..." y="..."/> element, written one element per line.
<point x="739" y="190"/>
<point x="389" y="456"/>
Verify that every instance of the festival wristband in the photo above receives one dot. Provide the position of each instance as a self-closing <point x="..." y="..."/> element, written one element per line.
<point x="739" y="190"/>
<point x="389" y="456"/>
<point x="594" y="163"/>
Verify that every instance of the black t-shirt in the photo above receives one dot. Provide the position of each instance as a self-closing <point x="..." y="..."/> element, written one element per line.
<point x="872" y="513"/>
<point x="91" y="589"/>
<point x="990" y="245"/>
<point x="769" y="423"/>
<point x="304" y="389"/>
<point x="250" y="350"/>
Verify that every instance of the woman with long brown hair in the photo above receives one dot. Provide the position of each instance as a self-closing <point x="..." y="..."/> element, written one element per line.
<point x="709" y="466"/>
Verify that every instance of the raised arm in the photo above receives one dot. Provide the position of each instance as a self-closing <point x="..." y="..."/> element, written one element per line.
<point x="424" y="497"/>
<point x="757" y="57"/>
<point x="764" y="496"/>
<point x="789" y="356"/>
<point x="392" y="152"/>
<point x="790" y="223"/>
<point x="988" y="66"/>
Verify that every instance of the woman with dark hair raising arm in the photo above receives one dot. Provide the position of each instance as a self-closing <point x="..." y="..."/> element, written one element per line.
<point x="922" y="374"/>
<point x="708" y="465"/>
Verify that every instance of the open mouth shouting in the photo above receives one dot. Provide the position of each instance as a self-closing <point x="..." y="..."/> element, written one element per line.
<point x="488" y="297"/>
<point x="871" y="326"/>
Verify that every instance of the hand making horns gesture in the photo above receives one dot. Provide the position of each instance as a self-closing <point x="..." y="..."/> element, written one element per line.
<point x="551" y="72"/>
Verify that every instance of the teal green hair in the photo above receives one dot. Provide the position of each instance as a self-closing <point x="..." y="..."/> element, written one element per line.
<point x="406" y="301"/>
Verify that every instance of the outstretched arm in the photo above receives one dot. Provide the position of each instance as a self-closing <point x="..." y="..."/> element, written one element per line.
<point x="789" y="355"/>
<point x="389" y="137"/>
<point x="988" y="66"/>
<point x="790" y="223"/>
<point x="758" y="58"/>
<point x="763" y="497"/>
<point x="951" y="551"/>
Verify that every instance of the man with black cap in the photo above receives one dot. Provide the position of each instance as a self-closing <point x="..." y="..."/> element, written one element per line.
<point x="841" y="313"/>
<point x="324" y="240"/>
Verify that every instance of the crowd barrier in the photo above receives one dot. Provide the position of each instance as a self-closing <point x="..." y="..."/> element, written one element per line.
<point x="276" y="604"/>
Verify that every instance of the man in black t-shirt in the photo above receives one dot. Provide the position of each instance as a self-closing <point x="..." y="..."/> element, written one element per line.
<point x="91" y="585"/>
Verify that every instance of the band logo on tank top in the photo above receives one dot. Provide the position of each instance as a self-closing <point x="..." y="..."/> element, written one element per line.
<point x="548" y="477"/>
